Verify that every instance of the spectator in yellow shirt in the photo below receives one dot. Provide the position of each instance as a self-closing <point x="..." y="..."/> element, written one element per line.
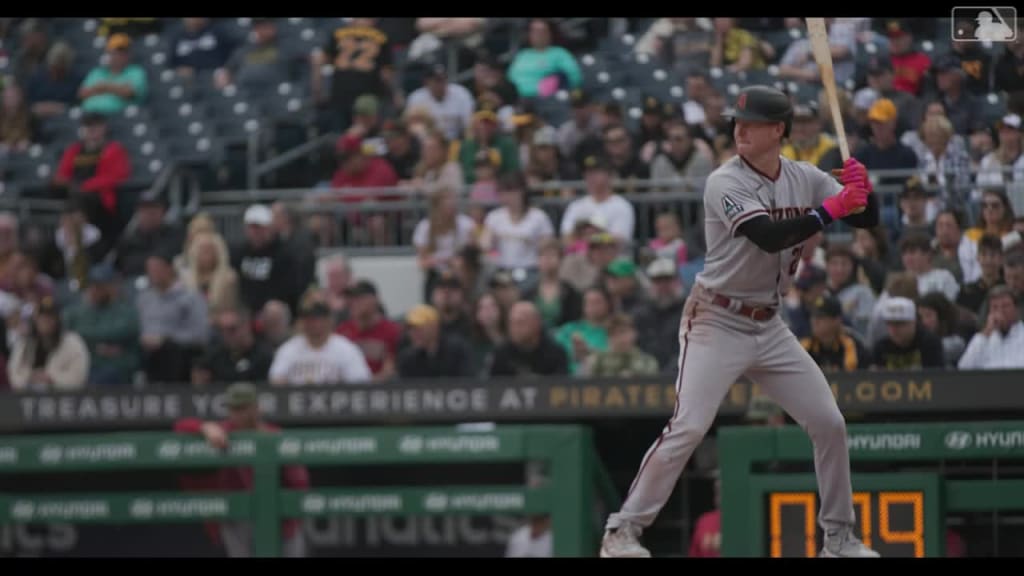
<point x="737" y="49"/>
<point x="806" y="141"/>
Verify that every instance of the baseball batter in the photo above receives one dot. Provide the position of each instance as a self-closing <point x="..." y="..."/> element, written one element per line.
<point x="759" y="209"/>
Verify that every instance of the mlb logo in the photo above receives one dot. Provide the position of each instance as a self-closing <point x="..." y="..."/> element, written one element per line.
<point x="984" y="24"/>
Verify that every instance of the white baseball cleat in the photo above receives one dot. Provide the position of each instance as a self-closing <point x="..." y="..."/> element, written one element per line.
<point x="842" y="543"/>
<point x="623" y="542"/>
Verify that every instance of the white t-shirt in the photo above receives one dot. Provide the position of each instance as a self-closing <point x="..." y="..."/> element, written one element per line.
<point x="521" y="545"/>
<point x="938" y="280"/>
<point x="448" y="244"/>
<point x="338" y="361"/>
<point x="518" y="243"/>
<point x="616" y="211"/>
<point x="453" y="114"/>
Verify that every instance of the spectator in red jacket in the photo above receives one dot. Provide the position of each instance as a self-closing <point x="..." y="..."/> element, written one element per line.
<point x="95" y="167"/>
<point x="367" y="327"/>
<point x="244" y="415"/>
<point x="707" y="535"/>
<point x="359" y="169"/>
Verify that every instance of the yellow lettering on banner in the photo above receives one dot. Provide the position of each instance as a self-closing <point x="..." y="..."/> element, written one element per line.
<point x="738" y="394"/>
<point x="922" y="391"/>
<point x="670" y="395"/>
<point x="651" y="396"/>
<point x="865" y="391"/>
<point x="591" y="397"/>
<point x="633" y="391"/>
<point x="891" y="391"/>
<point x="615" y="399"/>
<point x="557" y="396"/>
<point x="835" y="389"/>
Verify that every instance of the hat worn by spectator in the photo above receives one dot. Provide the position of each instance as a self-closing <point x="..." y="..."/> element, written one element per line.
<point x="361" y="288"/>
<point x="827" y="306"/>
<point x="485" y="115"/>
<point x="947" y="63"/>
<point x="802" y="112"/>
<point x="913" y="187"/>
<point x="883" y="110"/>
<point x="166" y="252"/>
<point x="314" y="308"/>
<point x="366" y="105"/>
<point x="546" y="136"/>
<point x="1009" y="121"/>
<point x="621" y="268"/>
<point x="899" y="309"/>
<point x="437" y="70"/>
<point x="240" y="395"/>
<point x="119" y="42"/>
<point x="597" y="163"/>
<point x="661" y="268"/>
<point x="602" y="239"/>
<point x="422" y="315"/>
<point x="812" y="276"/>
<point x="258" y="215"/>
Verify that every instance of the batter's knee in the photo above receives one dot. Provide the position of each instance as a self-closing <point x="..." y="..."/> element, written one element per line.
<point x="828" y="423"/>
<point x="681" y="438"/>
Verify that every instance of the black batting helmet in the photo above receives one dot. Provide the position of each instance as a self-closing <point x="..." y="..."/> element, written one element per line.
<point x="764" y="104"/>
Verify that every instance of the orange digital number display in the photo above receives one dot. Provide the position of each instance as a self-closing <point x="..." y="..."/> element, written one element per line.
<point x="891" y="522"/>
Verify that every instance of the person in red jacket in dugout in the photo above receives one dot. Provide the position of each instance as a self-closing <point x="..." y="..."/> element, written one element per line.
<point x="244" y="415"/>
<point x="707" y="535"/>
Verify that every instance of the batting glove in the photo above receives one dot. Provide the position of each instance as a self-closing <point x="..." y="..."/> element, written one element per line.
<point x="850" y="200"/>
<point x="854" y="173"/>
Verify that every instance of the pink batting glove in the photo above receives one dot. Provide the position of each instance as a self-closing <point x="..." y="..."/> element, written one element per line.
<point x="850" y="200"/>
<point x="856" y="174"/>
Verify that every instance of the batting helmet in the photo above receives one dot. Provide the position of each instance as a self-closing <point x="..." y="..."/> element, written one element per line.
<point x="762" y="104"/>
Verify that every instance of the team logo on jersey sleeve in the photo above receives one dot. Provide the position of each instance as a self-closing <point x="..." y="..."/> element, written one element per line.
<point x="731" y="207"/>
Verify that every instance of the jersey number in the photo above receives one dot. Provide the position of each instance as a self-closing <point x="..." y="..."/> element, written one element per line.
<point x="358" y="54"/>
<point x="797" y="253"/>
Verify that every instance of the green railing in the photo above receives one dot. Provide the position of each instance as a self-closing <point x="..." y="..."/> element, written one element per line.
<point x="575" y="476"/>
<point x="901" y="493"/>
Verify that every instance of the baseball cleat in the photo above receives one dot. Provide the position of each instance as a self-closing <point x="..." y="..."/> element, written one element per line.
<point x="842" y="543"/>
<point x="623" y="542"/>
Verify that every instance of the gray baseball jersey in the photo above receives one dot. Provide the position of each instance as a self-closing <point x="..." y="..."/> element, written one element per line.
<point x="737" y="192"/>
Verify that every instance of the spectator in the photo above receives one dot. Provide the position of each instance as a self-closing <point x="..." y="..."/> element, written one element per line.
<point x="884" y="151"/>
<point x="366" y="123"/>
<point x="173" y="320"/>
<point x="856" y="299"/>
<point x="999" y="344"/>
<point x="17" y="126"/>
<point x="871" y="248"/>
<point x="147" y="233"/>
<point x="210" y="274"/>
<point x="600" y="201"/>
<point x="368" y="328"/>
<point x="1008" y="75"/>
<point x="738" y="50"/>
<point x="198" y="224"/>
<point x="51" y="357"/>
<point x="403" y="150"/>
<point x="337" y="280"/>
<point x="684" y="44"/>
<point x="668" y="240"/>
<point x="440" y="235"/>
<point x="917" y="254"/>
<point x="359" y="168"/>
<point x="990" y="263"/>
<point x="258" y="65"/>
<point x="200" y="47"/>
<point x="914" y="203"/>
<point x="435" y="171"/>
<point x="275" y="321"/>
<point x="880" y="80"/>
<point x="945" y="163"/>
<point x="542" y="69"/>
<point x="907" y="346"/>
<point x="806" y="142"/>
<point x="483" y="194"/>
<point x="954" y="251"/>
<point x="534" y="538"/>
<point x="545" y="164"/>
<point x="133" y="27"/>
<point x="623" y="359"/>
<point x="1013" y="272"/>
<point x="830" y="345"/>
<point x="450" y="104"/>
<point x="651" y="131"/>
<point x="589" y="334"/>
<point x="585" y="124"/>
<point x="974" y="60"/>
<point x="962" y="107"/>
<point x="940" y="317"/>
<point x="657" y="318"/>
<point x="489" y="331"/>
<point x="898" y="285"/>
<point x="266" y="270"/>
<point x="24" y="282"/>
<point x="432" y="352"/>
<point x="555" y="299"/>
<point x="810" y="285"/>
<point x="506" y="289"/>
<point x="32" y="43"/>
<point x="707" y="532"/>
<point x="529" y="351"/>
<point x="297" y="242"/>
<point x="489" y="76"/>
<point x="9" y="243"/>
<point x="111" y="88"/>
<point x="360" y="54"/>
<point x="108" y="323"/>
<point x="681" y="159"/>
<point x="315" y="356"/>
<point x="1004" y="166"/>
<point x="622" y="285"/>
<point x="52" y="90"/>
<point x="239" y="356"/>
<point x="513" y="233"/>
<point x="996" y="216"/>
<point x="583" y="270"/>
<point x="698" y="93"/>
<point x="98" y="167"/>
<point x="468" y="269"/>
<point x="242" y="402"/>
<point x="619" y="150"/>
<point x="485" y="137"/>
<point x="909" y="65"/>
<point x="797" y="62"/>
<point x="75" y="247"/>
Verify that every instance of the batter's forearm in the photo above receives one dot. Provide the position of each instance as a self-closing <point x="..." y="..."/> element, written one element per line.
<point x="869" y="218"/>
<point x="775" y="237"/>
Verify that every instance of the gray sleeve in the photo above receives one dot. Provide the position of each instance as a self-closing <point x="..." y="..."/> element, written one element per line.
<point x="193" y="330"/>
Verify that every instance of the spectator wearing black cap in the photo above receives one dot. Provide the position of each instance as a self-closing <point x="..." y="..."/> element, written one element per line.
<point x="173" y="321"/>
<point x="651" y="131"/>
<point x="50" y="357"/>
<point x="201" y="46"/>
<point x="830" y="345"/>
<point x="368" y="328"/>
<point x="96" y="167"/>
<point x="681" y="158"/>
<point x="259" y="64"/>
<point x="546" y="164"/>
<point x="975" y="61"/>
<point x="657" y="318"/>
<point x="962" y="107"/>
<point x="109" y="325"/>
<point x="450" y="104"/>
<point x="316" y="356"/>
<point x="1008" y="73"/>
<point x="266" y="271"/>
<point x="913" y="202"/>
<point x="403" y="150"/>
<point x="239" y="355"/>
<point x="111" y="88"/>
<point x="432" y="351"/>
<point x="530" y="350"/>
<point x="585" y="123"/>
<point x="810" y="284"/>
<point x="489" y="76"/>
<point x="147" y="232"/>
<point x="616" y="212"/>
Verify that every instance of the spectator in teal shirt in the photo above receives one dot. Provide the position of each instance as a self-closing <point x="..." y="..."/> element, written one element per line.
<point x="588" y="335"/>
<point x="543" y="69"/>
<point x="110" y="89"/>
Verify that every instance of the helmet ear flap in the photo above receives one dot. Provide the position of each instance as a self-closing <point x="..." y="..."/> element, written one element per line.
<point x="789" y="125"/>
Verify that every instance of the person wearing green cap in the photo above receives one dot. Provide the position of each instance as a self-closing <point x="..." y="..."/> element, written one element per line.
<point x="621" y="282"/>
<point x="242" y="403"/>
<point x="589" y="334"/>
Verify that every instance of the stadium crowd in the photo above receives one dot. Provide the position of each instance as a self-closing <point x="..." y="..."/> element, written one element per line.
<point x="116" y="296"/>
